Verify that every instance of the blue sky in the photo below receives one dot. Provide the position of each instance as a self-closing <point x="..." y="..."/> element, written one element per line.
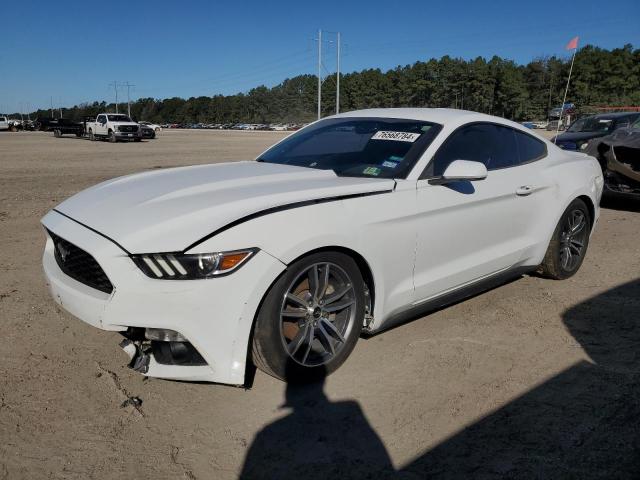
<point x="71" y="52"/>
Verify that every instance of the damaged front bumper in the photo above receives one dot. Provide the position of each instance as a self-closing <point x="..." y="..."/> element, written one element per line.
<point x="213" y="317"/>
<point x="619" y="157"/>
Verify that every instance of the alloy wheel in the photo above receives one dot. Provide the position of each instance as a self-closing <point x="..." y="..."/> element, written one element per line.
<point x="317" y="313"/>
<point x="573" y="238"/>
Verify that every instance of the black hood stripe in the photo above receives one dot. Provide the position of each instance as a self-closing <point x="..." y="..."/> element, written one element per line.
<point x="94" y="231"/>
<point x="281" y="208"/>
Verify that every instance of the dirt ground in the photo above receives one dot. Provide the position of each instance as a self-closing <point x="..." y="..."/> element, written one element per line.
<point x="534" y="379"/>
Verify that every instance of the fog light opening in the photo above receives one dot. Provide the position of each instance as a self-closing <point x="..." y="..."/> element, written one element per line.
<point x="176" y="353"/>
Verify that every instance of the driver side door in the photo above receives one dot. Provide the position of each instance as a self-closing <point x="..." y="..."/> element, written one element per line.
<point x="471" y="230"/>
<point x="101" y="125"/>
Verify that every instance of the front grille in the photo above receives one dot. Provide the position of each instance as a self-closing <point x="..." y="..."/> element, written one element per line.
<point x="128" y="128"/>
<point x="79" y="265"/>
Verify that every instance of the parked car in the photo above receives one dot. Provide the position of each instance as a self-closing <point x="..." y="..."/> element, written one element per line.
<point x="581" y="131"/>
<point x="155" y="127"/>
<point x="352" y="225"/>
<point x="114" y="127"/>
<point x="619" y="157"/>
<point x="4" y="123"/>
<point x="15" y="125"/>
<point x="147" y="132"/>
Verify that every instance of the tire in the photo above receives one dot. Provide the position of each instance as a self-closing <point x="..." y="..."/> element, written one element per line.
<point x="566" y="250"/>
<point x="282" y="348"/>
<point x="92" y="137"/>
<point x="157" y="131"/>
<point x="13" y="128"/>
<point x="137" y="139"/>
<point x="112" y="136"/>
<point x="56" y="133"/>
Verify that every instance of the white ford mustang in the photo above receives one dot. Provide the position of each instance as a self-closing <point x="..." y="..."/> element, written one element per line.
<point x="349" y="226"/>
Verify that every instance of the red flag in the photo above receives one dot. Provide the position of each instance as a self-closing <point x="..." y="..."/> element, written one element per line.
<point x="572" y="44"/>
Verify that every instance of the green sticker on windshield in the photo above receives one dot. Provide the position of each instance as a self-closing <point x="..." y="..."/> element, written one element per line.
<point x="371" y="171"/>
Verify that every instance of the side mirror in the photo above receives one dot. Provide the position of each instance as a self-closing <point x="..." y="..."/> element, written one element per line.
<point x="461" y="170"/>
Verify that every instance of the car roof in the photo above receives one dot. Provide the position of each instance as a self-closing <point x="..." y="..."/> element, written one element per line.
<point x="443" y="116"/>
<point x="613" y="115"/>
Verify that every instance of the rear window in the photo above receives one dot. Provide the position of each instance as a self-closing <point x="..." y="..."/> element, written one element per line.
<point x="118" y="118"/>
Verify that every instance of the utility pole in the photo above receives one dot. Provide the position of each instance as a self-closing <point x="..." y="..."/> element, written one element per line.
<point x="338" y="75"/>
<point x="115" y="88"/>
<point x="319" y="74"/>
<point x="128" y="85"/>
<point x="51" y="109"/>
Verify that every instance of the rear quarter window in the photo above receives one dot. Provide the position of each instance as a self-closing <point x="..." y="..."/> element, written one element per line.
<point x="529" y="149"/>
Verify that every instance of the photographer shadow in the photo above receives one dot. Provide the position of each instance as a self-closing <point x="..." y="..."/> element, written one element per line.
<point x="318" y="439"/>
<point x="582" y="423"/>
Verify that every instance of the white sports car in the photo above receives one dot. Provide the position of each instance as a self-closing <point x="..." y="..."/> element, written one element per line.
<point x="347" y="227"/>
<point x="153" y="126"/>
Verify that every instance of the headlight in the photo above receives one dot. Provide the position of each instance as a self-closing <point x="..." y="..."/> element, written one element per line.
<point x="583" y="146"/>
<point x="180" y="266"/>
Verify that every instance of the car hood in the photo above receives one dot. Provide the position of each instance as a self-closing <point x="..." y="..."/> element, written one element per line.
<point x="169" y="210"/>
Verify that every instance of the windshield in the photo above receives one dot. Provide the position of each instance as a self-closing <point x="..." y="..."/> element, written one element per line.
<point x="357" y="147"/>
<point x="591" y="124"/>
<point x="118" y="118"/>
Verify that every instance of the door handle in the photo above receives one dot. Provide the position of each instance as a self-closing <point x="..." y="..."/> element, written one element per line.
<point x="525" y="190"/>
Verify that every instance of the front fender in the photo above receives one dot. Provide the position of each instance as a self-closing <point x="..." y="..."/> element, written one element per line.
<point x="378" y="228"/>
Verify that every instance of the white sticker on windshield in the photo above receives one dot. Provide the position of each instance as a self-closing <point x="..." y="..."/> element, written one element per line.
<point x="396" y="136"/>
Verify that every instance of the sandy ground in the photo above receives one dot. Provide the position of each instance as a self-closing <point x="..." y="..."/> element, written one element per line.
<point x="535" y="379"/>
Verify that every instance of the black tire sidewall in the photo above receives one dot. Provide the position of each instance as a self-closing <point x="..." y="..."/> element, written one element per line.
<point x="576" y="204"/>
<point x="267" y="330"/>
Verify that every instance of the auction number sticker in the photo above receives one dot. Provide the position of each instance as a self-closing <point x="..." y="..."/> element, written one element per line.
<point x="396" y="136"/>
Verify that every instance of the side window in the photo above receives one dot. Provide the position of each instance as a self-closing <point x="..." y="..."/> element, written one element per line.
<point x="529" y="148"/>
<point x="493" y="145"/>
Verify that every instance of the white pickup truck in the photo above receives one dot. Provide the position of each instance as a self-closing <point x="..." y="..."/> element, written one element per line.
<point x="114" y="126"/>
<point x="4" y="123"/>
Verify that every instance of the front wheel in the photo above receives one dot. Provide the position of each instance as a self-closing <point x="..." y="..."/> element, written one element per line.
<point x="112" y="137"/>
<point x="310" y="319"/>
<point x="568" y="245"/>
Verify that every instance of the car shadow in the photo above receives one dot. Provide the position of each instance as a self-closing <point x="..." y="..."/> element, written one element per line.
<point x="317" y="439"/>
<point x="581" y="423"/>
<point x="622" y="203"/>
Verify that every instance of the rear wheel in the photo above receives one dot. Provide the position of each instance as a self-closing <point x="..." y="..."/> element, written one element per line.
<point x="92" y="137"/>
<point x="310" y="319"/>
<point x="569" y="242"/>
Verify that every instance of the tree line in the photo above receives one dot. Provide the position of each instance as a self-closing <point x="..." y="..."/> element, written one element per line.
<point x="496" y="86"/>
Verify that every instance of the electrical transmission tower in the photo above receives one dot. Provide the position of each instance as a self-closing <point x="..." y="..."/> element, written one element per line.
<point x="114" y="84"/>
<point x="320" y="66"/>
